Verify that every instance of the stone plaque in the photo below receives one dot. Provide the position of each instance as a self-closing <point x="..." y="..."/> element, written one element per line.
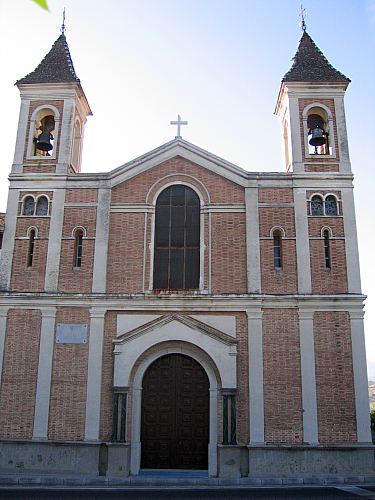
<point x="71" y="333"/>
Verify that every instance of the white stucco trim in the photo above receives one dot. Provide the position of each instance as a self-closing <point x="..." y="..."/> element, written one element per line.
<point x="54" y="241"/>
<point x="99" y="278"/>
<point x="3" y="329"/>
<point x="308" y="378"/>
<point x="135" y="443"/>
<point x="302" y="241"/>
<point x="21" y="136"/>
<point x="342" y="135"/>
<point x="43" y="384"/>
<point x="360" y="378"/>
<point x="6" y="260"/>
<point x="351" y="242"/>
<point x="256" y="385"/>
<point x="94" y="375"/>
<point x="252" y="241"/>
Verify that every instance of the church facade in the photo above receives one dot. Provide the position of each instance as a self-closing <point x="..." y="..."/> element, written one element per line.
<point x="180" y="312"/>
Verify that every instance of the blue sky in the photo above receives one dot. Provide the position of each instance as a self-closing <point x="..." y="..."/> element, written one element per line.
<point x="217" y="63"/>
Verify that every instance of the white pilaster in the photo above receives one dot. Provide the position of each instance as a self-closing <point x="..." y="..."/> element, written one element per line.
<point x="6" y="259"/>
<point x="3" y="328"/>
<point x="256" y="392"/>
<point x="54" y="241"/>
<point x="43" y="384"/>
<point x="101" y="241"/>
<point x="342" y="135"/>
<point x="302" y="241"/>
<point x="212" y="445"/>
<point x="21" y="136"/>
<point x="308" y="379"/>
<point x="66" y="136"/>
<point x="295" y="132"/>
<point x="360" y="378"/>
<point x="351" y="242"/>
<point x="94" y="375"/>
<point x="252" y="241"/>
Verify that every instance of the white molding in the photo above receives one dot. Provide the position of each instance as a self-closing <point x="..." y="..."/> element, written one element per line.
<point x="351" y="242"/>
<point x="342" y="135"/>
<point x="302" y="241"/>
<point x="308" y="378"/>
<point x="360" y="379"/>
<point x="3" y="330"/>
<point x="43" y="384"/>
<point x="7" y="251"/>
<point x="99" y="278"/>
<point x="54" y="241"/>
<point x="21" y="136"/>
<point x="94" y="375"/>
<point x="256" y="384"/>
<point x="254" y="283"/>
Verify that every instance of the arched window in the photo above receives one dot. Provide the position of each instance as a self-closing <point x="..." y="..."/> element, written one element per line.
<point x="42" y="206"/>
<point x="317" y="130"/>
<point x="317" y="207"/>
<point x="330" y="205"/>
<point x="277" y="255"/>
<point x="78" y="247"/>
<point x="327" y="251"/>
<point x="28" y="206"/>
<point x="30" y="252"/>
<point x="177" y="239"/>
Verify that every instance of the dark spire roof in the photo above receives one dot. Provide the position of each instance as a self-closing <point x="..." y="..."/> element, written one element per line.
<point x="310" y="65"/>
<point x="56" y="67"/>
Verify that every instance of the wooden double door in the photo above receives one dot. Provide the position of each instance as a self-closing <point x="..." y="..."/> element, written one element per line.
<point x="175" y="414"/>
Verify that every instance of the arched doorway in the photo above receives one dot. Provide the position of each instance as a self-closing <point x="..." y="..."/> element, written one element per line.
<point x="175" y="414"/>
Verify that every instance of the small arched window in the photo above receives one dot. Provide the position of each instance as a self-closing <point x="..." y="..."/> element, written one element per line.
<point x="277" y="250"/>
<point x="327" y="250"/>
<point x="28" y="206"/>
<point x="31" y="248"/>
<point x="330" y="205"/>
<point x="177" y="239"/>
<point x="78" y="248"/>
<point x="42" y="206"/>
<point x="317" y="207"/>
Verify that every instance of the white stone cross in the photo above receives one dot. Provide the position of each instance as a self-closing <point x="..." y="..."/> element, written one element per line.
<point x="179" y="122"/>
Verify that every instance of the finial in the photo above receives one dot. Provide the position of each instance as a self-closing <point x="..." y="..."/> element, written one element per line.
<point x="302" y="15"/>
<point x="63" y="23"/>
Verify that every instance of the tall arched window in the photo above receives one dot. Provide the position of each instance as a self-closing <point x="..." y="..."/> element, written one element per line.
<point x="31" y="249"/>
<point x="28" y="206"/>
<point x="327" y="251"/>
<point x="330" y="205"/>
<point x="78" y="247"/>
<point x="277" y="257"/>
<point x="177" y="239"/>
<point x="317" y="207"/>
<point x="42" y="206"/>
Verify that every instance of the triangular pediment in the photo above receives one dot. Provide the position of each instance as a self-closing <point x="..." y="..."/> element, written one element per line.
<point x="179" y="319"/>
<point x="178" y="148"/>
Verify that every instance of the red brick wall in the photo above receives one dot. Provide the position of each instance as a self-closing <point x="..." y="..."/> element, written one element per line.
<point x="282" y="280"/>
<point x="334" y="378"/>
<point x="106" y="409"/>
<point x="80" y="195"/>
<point x="228" y="253"/>
<point x="282" y="376"/>
<point x="72" y="279"/>
<point x="68" y="386"/>
<point x="20" y="370"/>
<point x="275" y="195"/>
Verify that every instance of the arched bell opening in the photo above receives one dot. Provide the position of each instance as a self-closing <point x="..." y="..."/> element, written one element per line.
<point x="44" y="137"/>
<point x="318" y="132"/>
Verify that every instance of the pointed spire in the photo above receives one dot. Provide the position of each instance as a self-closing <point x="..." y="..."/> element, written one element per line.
<point x="310" y="65"/>
<point x="56" y="67"/>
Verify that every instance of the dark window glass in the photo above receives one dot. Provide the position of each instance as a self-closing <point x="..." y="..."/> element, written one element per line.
<point x="317" y="206"/>
<point x="119" y="417"/>
<point x="229" y="419"/>
<point x="28" y="206"/>
<point x="42" y="206"/>
<point x="331" y="205"/>
<point x="78" y="247"/>
<point x="177" y="239"/>
<point x="277" y="250"/>
<point x="327" y="251"/>
<point x="1" y="239"/>
<point x="30" y="253"/>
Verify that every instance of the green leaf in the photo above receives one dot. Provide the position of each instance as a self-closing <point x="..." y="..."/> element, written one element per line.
<point x="42" y="3"/>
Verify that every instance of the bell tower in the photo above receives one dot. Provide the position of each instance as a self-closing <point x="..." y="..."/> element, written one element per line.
<point x="310" y="107"/>
<point x="53" y="113"/>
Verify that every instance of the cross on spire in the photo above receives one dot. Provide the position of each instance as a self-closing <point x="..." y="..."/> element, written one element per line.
<point x="178" y="122"/>
<point x="63" y="23"/>
<point x="302" y="15"/>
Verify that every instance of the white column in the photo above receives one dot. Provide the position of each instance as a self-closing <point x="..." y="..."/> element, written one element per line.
<point x="21" y="137"/>
<point x="3" y="329"/>
<point x="94" y="375"/>
<point x="302" y="241"/>
<point x="6" y="260"/>
<point x="66" y="135"/>
<point x="295" y="131"/>
<point x="135" y="444"/>
<point x="252" y="241"/>
<point x="360" y="378"/>
<point x="101" y="241"/>
<point x="212" y="445"/>
<point x="308" y="379"/>
<point x="43" y="384"/>
<point x="256" y="393"/>
<point x="351" y="242"/>
<point x="54" y="241"/>
<point x="342" y="135"/>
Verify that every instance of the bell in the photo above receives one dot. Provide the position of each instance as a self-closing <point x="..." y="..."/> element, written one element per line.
<point x="43" y="141"/>
<point x="317" y="137"/>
